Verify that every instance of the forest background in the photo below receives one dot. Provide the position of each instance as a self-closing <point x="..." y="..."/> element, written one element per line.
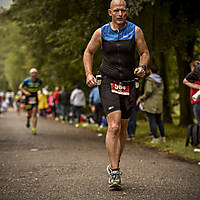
<point x="52" y="36"/>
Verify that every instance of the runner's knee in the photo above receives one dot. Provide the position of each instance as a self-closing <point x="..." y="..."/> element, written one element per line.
<point x="34" y="114"/>
<point x="115" y="128"/>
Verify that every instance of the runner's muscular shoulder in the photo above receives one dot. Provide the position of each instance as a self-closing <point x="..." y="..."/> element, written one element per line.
<point x="140" y="41"/>
<point x="139" y="36"/>
<point x="95" y="41"/>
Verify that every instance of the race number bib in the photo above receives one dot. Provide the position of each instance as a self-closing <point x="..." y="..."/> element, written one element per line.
<point x="119" y="89"/>
<point x="32" y="100"/>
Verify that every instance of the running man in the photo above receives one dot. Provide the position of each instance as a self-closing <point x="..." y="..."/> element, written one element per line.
<point x="30" y="87"/>
<point x="117" y="39"/>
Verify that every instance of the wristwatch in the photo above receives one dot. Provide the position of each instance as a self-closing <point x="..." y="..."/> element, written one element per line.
<point x="143" y="66"/>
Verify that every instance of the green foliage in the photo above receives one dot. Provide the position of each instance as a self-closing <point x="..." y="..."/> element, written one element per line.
<point x="136" y="6"/>
<point x="52" y="36"/>
<point x="57" y="34"/>
<point x="13" y="56"/>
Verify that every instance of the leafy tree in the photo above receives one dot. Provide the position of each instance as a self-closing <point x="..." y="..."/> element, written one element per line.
<point x="185" y="26"/>
<point x="54" y="35"/>
<point x="13" y="56"/>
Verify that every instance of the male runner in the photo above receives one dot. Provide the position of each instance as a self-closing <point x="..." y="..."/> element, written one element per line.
<point x="117" y="90"/>
<point x="30" y="87"/>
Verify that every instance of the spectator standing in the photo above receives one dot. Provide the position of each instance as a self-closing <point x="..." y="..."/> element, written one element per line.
<point x="1" y="99"/>
<point x="152" y="101"/>
<point x="64" y="103"/>
<point x="192" y="80"/>
<point x="51" y="105"/>
<point x="17" y="101"/>
<point x="195" y="104"/>
<point x="42" y="103"/>
<point x="132" y="120"/>
<point x="56" y="101"/>
<point x="4" y="104"/>
<point x="131" y="129"/>
<point x="132" y="124"/>
<point x="94" y="99"/>
<point x="77" y="99"/>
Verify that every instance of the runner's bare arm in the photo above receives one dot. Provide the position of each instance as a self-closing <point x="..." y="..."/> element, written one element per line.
<point x="141" y="47"/>
<point x="24" y="91"/>
<point x="92" y="47"/>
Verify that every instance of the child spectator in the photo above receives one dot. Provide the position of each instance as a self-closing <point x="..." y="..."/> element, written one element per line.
<point x="152" y="101"/>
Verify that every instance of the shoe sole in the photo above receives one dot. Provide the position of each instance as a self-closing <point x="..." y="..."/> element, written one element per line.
<point x="115" y="187"/>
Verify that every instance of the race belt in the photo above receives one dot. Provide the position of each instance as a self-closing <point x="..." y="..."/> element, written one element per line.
<point x="32" y="100"/>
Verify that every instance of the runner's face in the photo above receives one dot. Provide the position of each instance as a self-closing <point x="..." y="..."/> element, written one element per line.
<point x="33" y="75"/>
<point x="118" y="13"/>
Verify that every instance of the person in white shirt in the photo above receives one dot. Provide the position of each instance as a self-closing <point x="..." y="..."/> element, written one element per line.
<point x="77" y="100"/>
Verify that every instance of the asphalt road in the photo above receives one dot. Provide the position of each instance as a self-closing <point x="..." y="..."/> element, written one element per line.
<point x="64" y="162"/>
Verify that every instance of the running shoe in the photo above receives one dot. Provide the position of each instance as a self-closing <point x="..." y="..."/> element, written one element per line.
<point x="115" y="180"/>
<point x="34" y="132"/>
<point x="109" y="169"/>
<point x="27" y="123"/>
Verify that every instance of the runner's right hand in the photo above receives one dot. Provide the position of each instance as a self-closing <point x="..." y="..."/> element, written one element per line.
<point x="27" y="93"/>
<point x="91" y="81"/>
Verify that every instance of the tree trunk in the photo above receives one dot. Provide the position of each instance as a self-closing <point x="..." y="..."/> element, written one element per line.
<point x="166" y="98"/>
<point x="186" y="114"/>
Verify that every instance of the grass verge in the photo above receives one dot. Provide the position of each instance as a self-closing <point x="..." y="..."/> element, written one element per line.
<point x="175" y="144"/>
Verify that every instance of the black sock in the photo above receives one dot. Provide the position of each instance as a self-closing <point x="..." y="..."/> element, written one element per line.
<point x="117" y="169"/>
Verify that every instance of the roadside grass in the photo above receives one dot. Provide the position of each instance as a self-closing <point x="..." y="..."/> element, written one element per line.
<point x="175" y="139"/>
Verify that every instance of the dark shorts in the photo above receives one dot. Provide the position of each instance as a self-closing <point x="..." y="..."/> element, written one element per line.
<point x="112" y="102"/>
<point x="30" y="106"/>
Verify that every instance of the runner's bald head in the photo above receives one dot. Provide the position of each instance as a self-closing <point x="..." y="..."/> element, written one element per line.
<point x="117" y="2"/>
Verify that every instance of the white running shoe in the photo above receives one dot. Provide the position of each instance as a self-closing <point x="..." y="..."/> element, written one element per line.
<point x="155" y="141"/>
<point x="115" y="180"/>
<point x="197" y="150"/>
<point x="162" y="139"/>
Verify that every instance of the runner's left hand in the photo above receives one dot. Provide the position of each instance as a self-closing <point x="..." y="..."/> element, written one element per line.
<point x="139" y="72"/>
